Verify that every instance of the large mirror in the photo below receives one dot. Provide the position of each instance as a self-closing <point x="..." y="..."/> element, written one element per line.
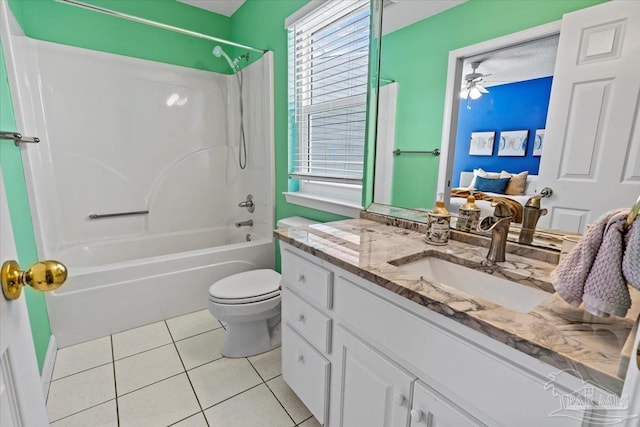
<point x="474" y="92"/>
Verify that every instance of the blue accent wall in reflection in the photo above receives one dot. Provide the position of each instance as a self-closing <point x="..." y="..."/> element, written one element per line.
<point x="513" y="106"/>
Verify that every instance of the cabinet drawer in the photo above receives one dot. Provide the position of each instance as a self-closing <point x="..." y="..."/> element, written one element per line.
<point x="307" y="278"/>
<point x="306" y="372"/>
<point x="314" y="326"/>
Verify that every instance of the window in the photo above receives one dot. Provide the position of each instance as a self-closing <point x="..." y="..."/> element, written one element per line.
<point x="328" y="66"/>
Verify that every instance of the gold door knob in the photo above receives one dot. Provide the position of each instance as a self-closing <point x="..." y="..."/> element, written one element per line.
<point x="43" y="276"/>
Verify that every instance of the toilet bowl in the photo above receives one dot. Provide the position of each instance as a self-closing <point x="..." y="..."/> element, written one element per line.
<point x="248" y="304"/>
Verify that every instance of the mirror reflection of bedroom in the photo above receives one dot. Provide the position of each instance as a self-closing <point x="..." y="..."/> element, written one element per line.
<point x="502" y="113"/>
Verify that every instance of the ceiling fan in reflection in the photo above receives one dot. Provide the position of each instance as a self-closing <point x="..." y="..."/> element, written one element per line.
<point x="471" y="88"/>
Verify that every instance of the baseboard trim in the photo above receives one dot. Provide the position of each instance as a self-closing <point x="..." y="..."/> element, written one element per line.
<point x="47" y="367"/>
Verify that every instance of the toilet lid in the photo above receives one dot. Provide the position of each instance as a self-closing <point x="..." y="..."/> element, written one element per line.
<point x="249" y="286"/>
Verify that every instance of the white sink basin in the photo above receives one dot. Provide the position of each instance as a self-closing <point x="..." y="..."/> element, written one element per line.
<point x="501" y="291"/>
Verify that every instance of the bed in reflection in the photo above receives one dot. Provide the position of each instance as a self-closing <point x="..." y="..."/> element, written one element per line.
<point x="484" y="199"/>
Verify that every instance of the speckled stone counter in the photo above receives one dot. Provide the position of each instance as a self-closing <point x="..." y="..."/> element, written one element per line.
<point x="554" y="332"/>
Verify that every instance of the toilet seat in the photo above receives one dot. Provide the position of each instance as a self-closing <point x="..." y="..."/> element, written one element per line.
<point x="247" y="287"/>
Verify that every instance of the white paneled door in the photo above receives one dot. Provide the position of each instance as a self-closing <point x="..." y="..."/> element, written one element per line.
<point x="592" y="146"/>
<point x="21" y="398"/>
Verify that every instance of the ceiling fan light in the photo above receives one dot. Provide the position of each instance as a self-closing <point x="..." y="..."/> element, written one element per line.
<point x="464" y="93"/>
<point x="474" y="93"/>
<point x="482" y="88"/>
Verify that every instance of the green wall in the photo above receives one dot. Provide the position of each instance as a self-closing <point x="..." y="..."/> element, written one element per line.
<point x="417" y="58"/>
<point x="11" y="165"/>
<point x="61" y="23"/>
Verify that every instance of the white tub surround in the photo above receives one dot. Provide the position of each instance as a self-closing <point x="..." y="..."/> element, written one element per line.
<point x="121" y="134"/>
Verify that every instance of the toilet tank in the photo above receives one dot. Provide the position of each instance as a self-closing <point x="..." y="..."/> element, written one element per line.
<point x="294" y="221"/>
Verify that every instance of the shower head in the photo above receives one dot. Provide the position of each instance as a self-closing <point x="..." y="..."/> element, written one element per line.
<point x="218" y="52"/>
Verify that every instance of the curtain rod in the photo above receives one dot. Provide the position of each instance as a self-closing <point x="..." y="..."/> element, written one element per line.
<point x="157" y="24"/>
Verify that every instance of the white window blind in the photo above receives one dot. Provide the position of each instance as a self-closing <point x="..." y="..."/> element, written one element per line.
<point x="328" y="66"/>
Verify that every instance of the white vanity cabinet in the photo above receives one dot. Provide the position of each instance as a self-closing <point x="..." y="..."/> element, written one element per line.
<point x="359" y="355"/>
<point x="371" y="390"/>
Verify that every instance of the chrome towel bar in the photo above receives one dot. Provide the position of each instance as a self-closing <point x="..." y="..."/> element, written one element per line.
<point x="397" y="152"/>
<point x="115" y="214"/>
<point x="17" y="138"/>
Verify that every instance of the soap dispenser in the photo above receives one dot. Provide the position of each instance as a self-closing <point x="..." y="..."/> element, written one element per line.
<point x="439" y="222"/>
<point x="468" y="215"/>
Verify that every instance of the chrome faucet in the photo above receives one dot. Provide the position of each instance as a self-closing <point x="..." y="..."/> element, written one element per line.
<point x="247" y="223"/>
<point x="531" y="215"/>
<point x="248" y="203"/>
<point x="498" y="224"/>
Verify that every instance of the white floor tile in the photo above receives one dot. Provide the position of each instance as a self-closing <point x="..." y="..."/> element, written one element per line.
<point x="140" y="339"/>
<point x="254" y="408"/>
<point x="311" y="422"/>
<point x="80" y="391"/>
<point x="192" y="324"/>
<point x="103" y="415"/>
<point x="219" y="380"/>
<point x="268" y="365"/>
<point x="160" y="404"/>
<point x="201" y="349"/>
<point x="195" y="421"/>
<point x="289" y="400"/>
<point x="142" y="369"/>
<point x="81" y="357"/>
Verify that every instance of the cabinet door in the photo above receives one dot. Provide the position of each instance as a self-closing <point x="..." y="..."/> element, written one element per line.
<point x="306" y="372"/>
<point x="370" y="390"/>
<point x="430" y="409"/>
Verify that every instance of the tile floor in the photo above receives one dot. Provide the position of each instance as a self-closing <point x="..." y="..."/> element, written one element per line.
<point x="170" y="373"/>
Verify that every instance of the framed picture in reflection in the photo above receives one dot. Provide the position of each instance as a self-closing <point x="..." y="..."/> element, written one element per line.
<point x="481" y="143"/>
<point x="537" y="142"/>
<point x="513" y="143"/>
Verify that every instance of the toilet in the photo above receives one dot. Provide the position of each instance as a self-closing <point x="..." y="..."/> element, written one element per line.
<point x="248" y="304"/>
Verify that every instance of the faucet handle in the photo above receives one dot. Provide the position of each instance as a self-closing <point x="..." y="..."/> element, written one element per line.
<point x="501" y="209"/>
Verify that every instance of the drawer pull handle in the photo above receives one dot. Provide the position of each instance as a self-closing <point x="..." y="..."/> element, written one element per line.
<point x="416" y="415"/>
<point x="300" y="358"/>
<point x="300" y="277"/>
<point x="301" y="318"/>
<point x="399" y="399"/>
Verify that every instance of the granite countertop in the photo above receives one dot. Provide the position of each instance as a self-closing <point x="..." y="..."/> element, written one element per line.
<point x="553" y="332"/>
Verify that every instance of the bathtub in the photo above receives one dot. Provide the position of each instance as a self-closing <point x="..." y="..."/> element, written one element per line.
<point x="118" y="285"/>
